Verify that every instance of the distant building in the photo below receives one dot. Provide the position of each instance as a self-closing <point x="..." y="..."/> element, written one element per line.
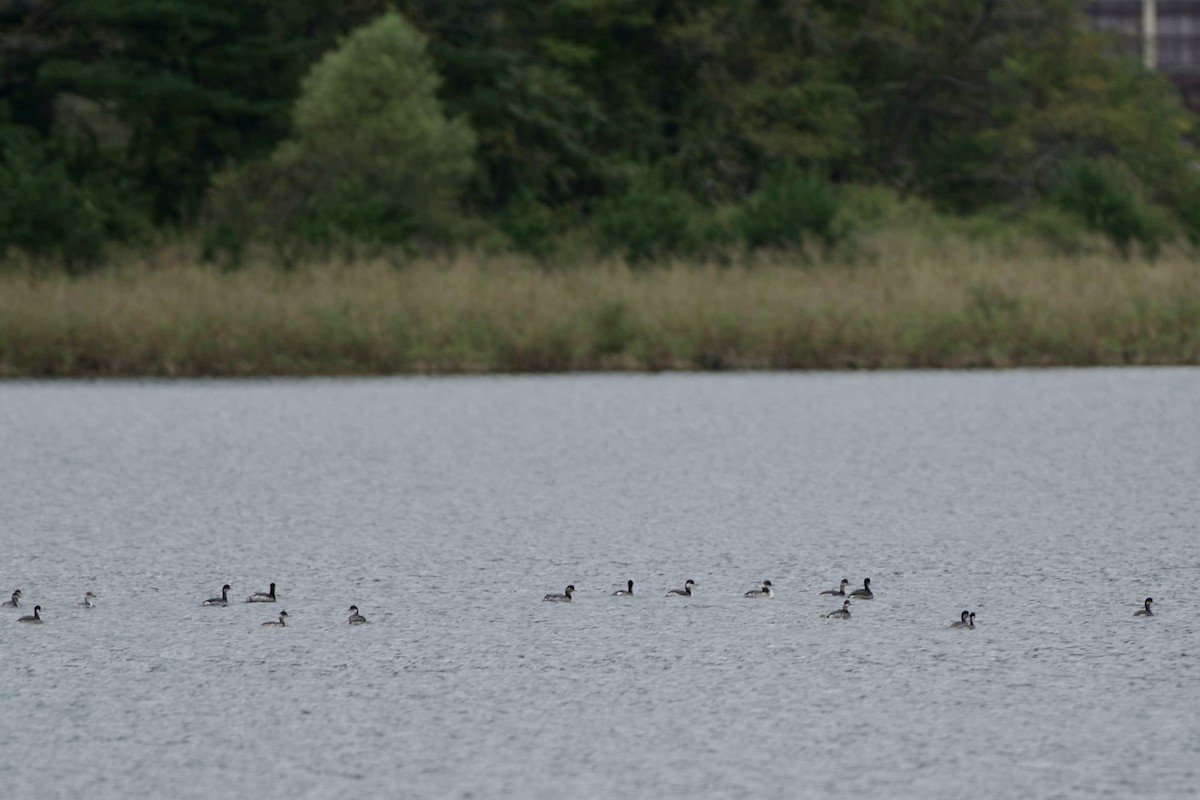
<point x="1165" y="34"/>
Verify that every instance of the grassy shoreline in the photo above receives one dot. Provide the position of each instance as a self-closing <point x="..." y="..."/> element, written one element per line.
<point x="970" y="308"/>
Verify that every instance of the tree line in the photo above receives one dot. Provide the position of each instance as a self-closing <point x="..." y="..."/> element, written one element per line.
<point x="645" y="127"/>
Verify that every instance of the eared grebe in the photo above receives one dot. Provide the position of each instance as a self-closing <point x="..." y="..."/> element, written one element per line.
<point x="35" y="617"/>
<point x="626" y="592"/>
<point x="764" y="591"/>
<point x="565" y="597"/>
<point x="223" y="600"/>
<point x="962" y="623"/>
<point x="89" y="600"/>
<point x="865" y="592"/>
<point x="356" y="618"/>
<point x="686" y="591"/>
<point x="281" y="623"/>
<point x="262" y="597"/>
<point x="971" y="621"/>
<point x="1145" y="611"/>
<point x="840" y="591"/>
<point x="15" y="601"/>
<point x="841" y="613"/>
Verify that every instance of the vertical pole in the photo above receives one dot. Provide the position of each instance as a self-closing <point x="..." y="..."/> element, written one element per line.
<point x="1150" y="34"/>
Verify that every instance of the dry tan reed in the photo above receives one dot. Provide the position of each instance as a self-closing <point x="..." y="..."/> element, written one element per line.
<point x="966" y="308"/>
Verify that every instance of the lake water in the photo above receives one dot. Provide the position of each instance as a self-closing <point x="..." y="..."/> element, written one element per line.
<point x="1049" y="502"/>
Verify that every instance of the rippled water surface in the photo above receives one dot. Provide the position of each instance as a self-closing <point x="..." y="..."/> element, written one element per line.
<point x="1050" y="503"/>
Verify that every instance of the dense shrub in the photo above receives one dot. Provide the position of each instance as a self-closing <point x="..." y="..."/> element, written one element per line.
<point x="652" y="218"/>
<point x="1184" y="201"/>
<point x="789" y="207"/>
<point x="530" y="226"/>
<point x="45" y="212"/>
<point x="1062" y="230"/>
<point x="1108" y="199"/>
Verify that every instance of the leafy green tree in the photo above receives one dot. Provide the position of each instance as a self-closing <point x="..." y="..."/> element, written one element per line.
<point x="511" y="68"/>
<point x="370" y="108"/>
<point x="926" y="72"/>
<point x="372" y="154"/>
<point x="1082" y="101"/>
<point x="973" y="102"/>
<point x="761" y="87"/>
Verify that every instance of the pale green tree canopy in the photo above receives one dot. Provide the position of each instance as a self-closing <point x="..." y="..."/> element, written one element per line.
<point x="368" y="116"/>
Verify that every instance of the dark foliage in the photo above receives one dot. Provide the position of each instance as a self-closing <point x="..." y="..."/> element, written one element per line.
<point x="975" y="105"/>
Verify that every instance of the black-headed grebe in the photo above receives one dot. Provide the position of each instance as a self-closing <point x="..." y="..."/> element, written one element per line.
<point x="262" y="597"/>
<point x="764" y="591"/>
<point x="865" y="592"/>
<point x="841" y="613"/>
<point x="565" y="597"/>
<point x="223" y="600"/>
<point x="686" y="591"/>
<point x="281" y="623"/>
<point x="840" y="591"/>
